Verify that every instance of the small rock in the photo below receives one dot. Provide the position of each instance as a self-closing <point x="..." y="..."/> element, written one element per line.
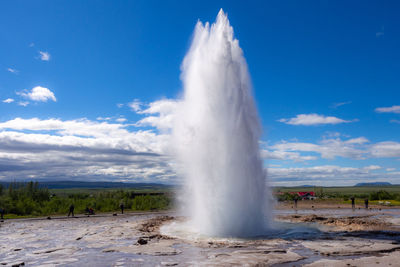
<point x="109" y="250"/>
<point x="49" y="218"/>
<point x="169" y="263"/>
<point x="142" y="241"/>
<point x="114" y="214"/>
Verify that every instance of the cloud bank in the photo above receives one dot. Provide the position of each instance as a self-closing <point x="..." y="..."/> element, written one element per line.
<point x="329" y="175"/>
<point x="109" y="148"/>
<point x="392" y="109"/>
<point x="82" y="150"/>
<point x="313" y="119"/>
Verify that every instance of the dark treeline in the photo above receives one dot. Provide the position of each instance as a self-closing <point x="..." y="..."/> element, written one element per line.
<point x="32" y="199"/>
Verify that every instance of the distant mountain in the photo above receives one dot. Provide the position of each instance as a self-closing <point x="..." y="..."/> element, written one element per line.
<point x="374" y="184"/>
<point x="94" y="185"/>
<point x="306" y="185"/>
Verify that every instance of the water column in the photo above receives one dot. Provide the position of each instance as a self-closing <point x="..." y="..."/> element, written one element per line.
<point x="215" y="137"/>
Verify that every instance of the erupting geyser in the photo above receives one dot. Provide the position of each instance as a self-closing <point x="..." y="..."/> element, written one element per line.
<point x="216" y="136"/>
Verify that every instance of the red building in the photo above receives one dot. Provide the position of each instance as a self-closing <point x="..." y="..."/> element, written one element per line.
<point x="310" y="195"/>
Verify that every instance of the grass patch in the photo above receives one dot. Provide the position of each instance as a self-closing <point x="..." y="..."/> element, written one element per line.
<point x="21" y="200"/>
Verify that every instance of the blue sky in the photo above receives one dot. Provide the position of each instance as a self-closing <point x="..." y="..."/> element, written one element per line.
<point x="87" y="87"/>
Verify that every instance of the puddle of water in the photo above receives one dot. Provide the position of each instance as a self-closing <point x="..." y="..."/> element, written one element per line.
<point x="280" y="230"/>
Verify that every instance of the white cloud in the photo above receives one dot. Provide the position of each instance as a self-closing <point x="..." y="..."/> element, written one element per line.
<point x="23" y="103"/>
<point x="372" y="168"/>
<point x="119" y="105"/>
<point x="285" y="155"/>
<point x="392" y="109"/>
<point x="121" y="119"/>
<point x="8" y="100"/>
<point x="80" y="127"/>
<point x="103" y="118"/>
<point x="38" y="93"/>
<point x="388" y="149"/>
<point x="355" y="148"/>
<point x="330" y="134"/>
<point x="390" y="169"/>
<point x="395" y="121"/>
<point x="163" y="107"/>
<point x="45" y="56"/>
<point x="163" y="123"/>
<point x="339" y="104"/>
<point x="313" y="119"/>
<point x="12" y="70"/>
<point x="358" y="140"/>
<point x="328" y="148"/>
<point x="163" y="113"/>
<point x="135" y="105"/>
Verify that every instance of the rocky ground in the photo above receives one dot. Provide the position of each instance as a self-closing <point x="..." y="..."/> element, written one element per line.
<point x="303" y="238"/>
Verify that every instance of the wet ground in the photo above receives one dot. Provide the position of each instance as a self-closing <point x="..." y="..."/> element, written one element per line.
<point x="325" y="237"/>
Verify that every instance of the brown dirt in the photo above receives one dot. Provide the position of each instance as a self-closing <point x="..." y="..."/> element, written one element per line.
<point x="349" y="223"/>
<point x="153" y="225"/>
<point x="151" y="229"/>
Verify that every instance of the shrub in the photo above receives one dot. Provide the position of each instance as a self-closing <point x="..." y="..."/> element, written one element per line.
<point x="381" y="195"/>
<point x="30" y="199"/>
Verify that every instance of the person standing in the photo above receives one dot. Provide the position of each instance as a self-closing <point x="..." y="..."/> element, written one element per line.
<point x="353" y="205"/>
<point x="71" y="210"/>
<point x="2" y="211"/>
<point x="366" y="203"/>
<point x="121" y="206"/>
<point x="295" y="203"/>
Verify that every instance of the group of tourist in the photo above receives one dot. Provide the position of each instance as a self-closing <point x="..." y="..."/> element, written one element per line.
<point x="353" y="204"/>
<point x="88" y="211"/>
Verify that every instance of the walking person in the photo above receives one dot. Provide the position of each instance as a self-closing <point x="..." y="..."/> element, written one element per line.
<point x="353" y="205"/>
<point x="366" y="203"/>
<point x="121" y="206"/>
<point x="2" y="211"/>
<point x="71" y="210"/>
<point x="295" y="203"/>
